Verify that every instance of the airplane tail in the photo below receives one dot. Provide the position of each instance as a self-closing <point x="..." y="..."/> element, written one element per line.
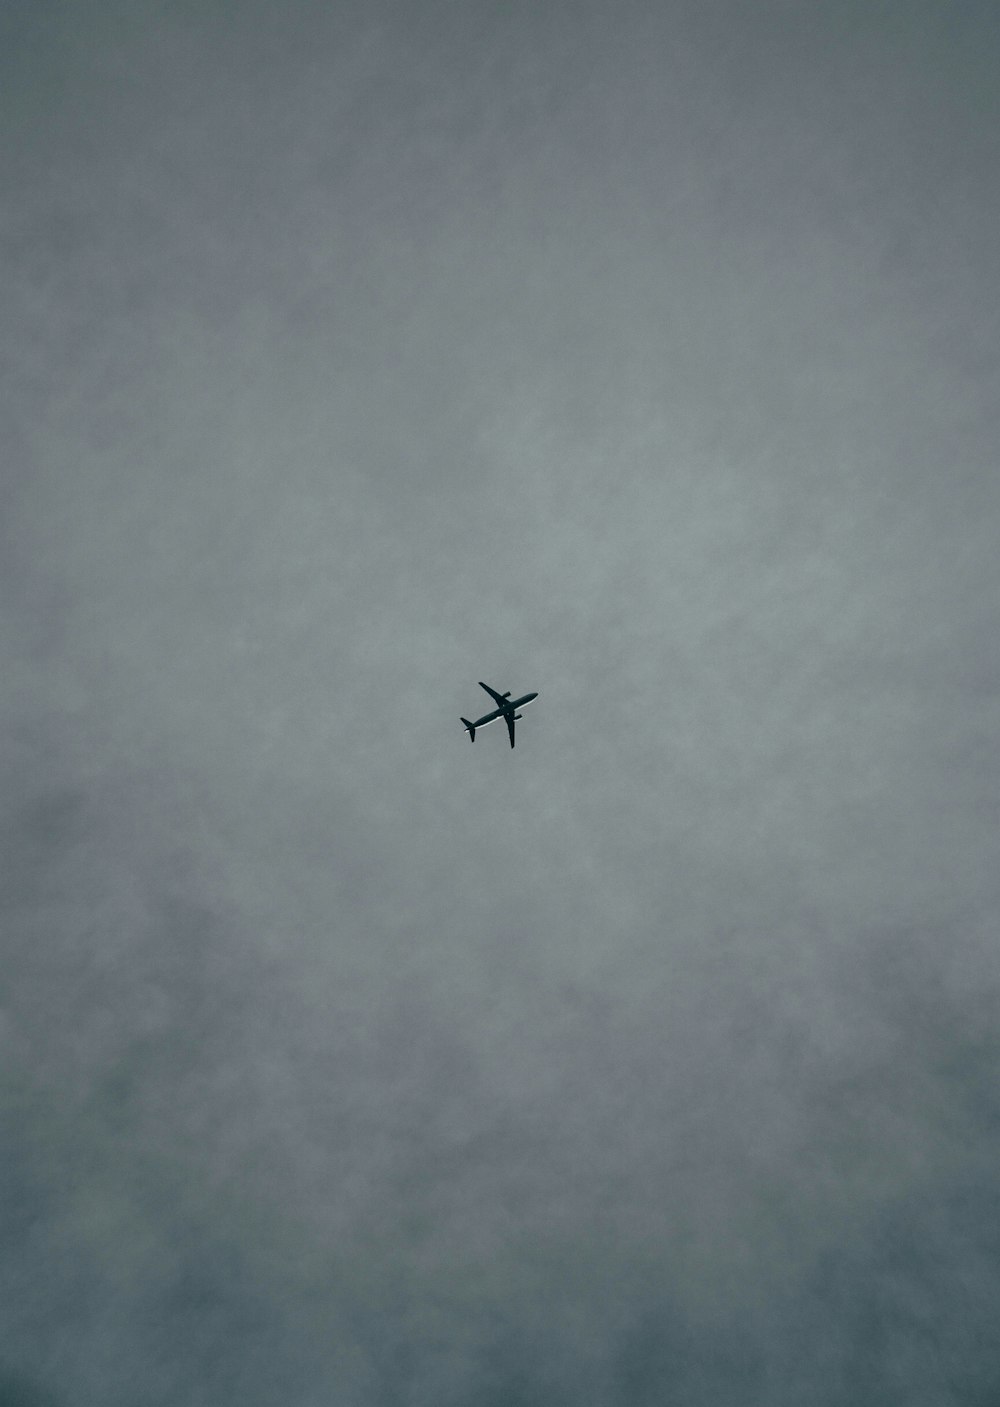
<point x="472" y="730"/>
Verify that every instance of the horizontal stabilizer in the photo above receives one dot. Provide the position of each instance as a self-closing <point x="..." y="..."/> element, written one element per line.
<point x="472" y="730"/>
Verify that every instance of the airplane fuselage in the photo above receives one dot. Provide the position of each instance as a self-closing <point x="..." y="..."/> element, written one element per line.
<point x="512" y="707"/>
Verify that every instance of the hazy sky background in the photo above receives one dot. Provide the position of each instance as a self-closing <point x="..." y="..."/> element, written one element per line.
<point x="643" y="354"/>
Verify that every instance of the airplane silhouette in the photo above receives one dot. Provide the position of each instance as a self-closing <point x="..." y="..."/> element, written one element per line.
<point x="506" y="709"/>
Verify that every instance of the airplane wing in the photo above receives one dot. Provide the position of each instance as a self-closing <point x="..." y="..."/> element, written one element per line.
<point x="510" y="726"/>
<point x="501" y="699"/>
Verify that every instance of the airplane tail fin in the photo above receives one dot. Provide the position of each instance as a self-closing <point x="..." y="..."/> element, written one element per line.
<point x="472" y="730"/>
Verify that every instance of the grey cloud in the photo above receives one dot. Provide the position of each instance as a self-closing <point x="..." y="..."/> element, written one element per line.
<point x="352" y="356"/>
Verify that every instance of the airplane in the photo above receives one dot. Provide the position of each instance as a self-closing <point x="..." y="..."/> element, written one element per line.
<point x="506" y="709"/>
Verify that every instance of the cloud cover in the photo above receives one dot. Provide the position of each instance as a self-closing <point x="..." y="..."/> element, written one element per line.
<point x="646" y="359"/>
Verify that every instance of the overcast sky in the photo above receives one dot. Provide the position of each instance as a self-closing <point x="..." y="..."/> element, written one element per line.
<point x="641" y="354"/>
